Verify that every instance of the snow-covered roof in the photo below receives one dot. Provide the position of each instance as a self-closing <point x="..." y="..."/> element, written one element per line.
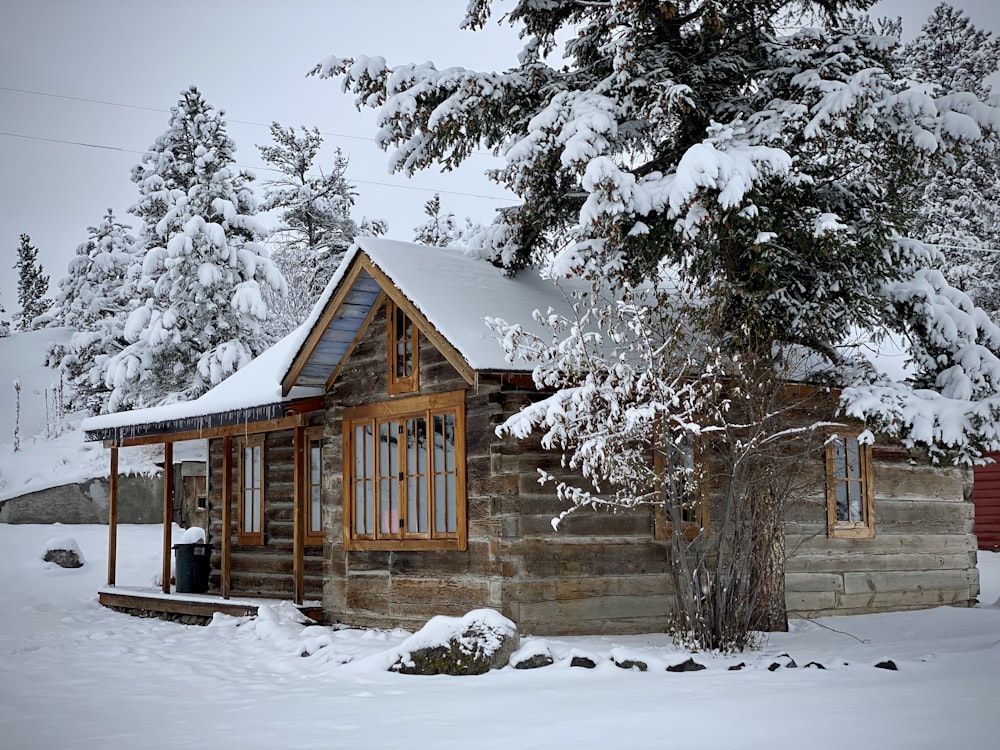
<point x="254" y="392"/>
<point x="454" y="292"/>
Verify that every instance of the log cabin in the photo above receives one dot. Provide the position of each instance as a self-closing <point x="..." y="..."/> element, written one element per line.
<point x="356" y="464"/>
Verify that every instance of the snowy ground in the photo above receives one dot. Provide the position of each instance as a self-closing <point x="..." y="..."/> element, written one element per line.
<point x="73" y="674"/>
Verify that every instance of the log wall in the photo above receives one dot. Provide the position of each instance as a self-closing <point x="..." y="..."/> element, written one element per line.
<point x="596" y="574"/>
<point x="923" y="553"/>
<point x="264" y="570"/>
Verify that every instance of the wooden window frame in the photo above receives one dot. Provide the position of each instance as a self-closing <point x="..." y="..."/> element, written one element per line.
<point x="398" y="384"/>
<point x="663" y="527"/>
<point x="313" y="438"/>
<point x="864" y="529"/>
<point x="427" y="407"/>
<point x="242" y="535"/>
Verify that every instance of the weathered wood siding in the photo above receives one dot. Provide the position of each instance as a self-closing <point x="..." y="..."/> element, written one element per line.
<point x="596" y="574"/>
<point x="923" y="553"/>
<point x="986" y="497"/>
<point x="264" y="570"/>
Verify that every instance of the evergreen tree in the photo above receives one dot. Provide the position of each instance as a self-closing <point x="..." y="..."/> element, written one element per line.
<point x="696" y="148"/>
<point x="94" y="300"/>
<point x="959" y="203"/>
<point x="199" y="313"/>
<point x="314" y="208"/>
<point x="32" y="284"/>
<point x="439" y="230"/>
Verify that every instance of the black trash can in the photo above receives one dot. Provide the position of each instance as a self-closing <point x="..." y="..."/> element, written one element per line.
<point x="193" y="563"/>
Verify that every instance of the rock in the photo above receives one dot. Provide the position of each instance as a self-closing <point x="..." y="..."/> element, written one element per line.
<point x="474" y="644"/>
<point x="815" y="664"/>
<point x="583" y="661"/>
<point x="784" y="660"/>
<point x="64" y="552"/>
<point x="687" y="666"/>
<point x="632" y="664"/>
<point x="887" y="664"/>
<point x="737" y="667"/>
<point x="534" y="655"/>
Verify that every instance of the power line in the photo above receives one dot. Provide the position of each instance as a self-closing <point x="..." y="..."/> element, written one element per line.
<point x="167" y="111"/>
<point x="258" y="168"/>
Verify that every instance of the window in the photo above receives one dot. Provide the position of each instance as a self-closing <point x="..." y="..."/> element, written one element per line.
<point x="404" y="351"/>
<point x="251" y="494"/>
<point x="849" y="489"/>
<point x="681" y="473"/>
<point x="314" y="486"/>
<point x="404" y="474"/>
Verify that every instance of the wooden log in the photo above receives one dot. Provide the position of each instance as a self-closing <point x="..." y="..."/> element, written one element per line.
<point x="168" y="512"/>
<point x="113" y="517"/>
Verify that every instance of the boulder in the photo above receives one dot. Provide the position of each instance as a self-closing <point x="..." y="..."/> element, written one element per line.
<point x="64" y="552"/>
<point x="690" y="665"/>
<point x="533" y="655"/>
<point x="474" y="644"/>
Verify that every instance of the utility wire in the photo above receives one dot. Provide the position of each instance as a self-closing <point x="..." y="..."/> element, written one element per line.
<point x="259" y="168"/>
<point x="167" y="111"/>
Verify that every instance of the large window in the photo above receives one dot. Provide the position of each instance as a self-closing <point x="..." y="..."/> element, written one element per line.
<point x="251" y="494"/>
<point x="849" y="488"/>
<point x="682" y="489"/>
<point x="404" y="353"/>
<point x="404" y="474"/>
<point x="314" y="486"/>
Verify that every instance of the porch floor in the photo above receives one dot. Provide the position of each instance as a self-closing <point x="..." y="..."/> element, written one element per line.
<point x="152" y="602"/>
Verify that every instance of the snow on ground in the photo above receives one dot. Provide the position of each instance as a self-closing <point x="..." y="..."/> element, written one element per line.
<point x="74" y="674"/>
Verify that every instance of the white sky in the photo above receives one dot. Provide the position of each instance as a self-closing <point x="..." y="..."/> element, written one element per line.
<point x="104" y="74"/>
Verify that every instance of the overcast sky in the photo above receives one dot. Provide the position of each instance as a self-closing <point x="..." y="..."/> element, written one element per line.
<point x="86" y="87"/>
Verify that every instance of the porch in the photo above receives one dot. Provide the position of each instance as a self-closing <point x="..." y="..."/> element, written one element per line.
<point x="195" y="609"/>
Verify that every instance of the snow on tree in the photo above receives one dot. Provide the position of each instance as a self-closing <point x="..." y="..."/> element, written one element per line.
<point x="441" y="229"/>
<point x="199" y="313"/>
<point x="958" y="205"/>
<point x="702" y="149"/>
<point x="93" y="299"/>
<point x="314" y="208"/>
<point x="32" y="284"/>
<point x="4" y="323"/>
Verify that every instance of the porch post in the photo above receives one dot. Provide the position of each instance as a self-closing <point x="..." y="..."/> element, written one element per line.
<point x="113" y="516"/>
<point x="227" y="510"/>
<point x="168" y="510"/>
<point x="298" y="516"/>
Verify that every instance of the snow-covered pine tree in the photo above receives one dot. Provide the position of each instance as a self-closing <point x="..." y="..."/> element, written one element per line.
<point x="440" y="229"/>
<point x="958" y="205"/>
<point x="32" y="285"/>
<point x="702" y="146"/>
<point x="314" y="208"/>
<point x="4" y="323"/>
<point x="199" y="311"/>
<point x="94" y="300"/>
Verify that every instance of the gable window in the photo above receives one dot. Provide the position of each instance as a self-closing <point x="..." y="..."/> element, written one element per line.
<point x="404" y="474"/>
<point x="404" y="354"/>
<point x="251" y="492"/>
<point x="314" y="486"/>
<point x="681" y="479"/>
<point x="850" y="495"/>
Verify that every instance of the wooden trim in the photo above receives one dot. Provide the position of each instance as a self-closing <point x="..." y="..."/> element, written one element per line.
<point x="312" y="435"/>
<point x="427" y="406"/>
<point x="319" y="329"/>
<point x="113" y="517"/>
<point x="168" y="512"/>
<point x="299" y="493"/>
<point x="864" y="529"/>
<point x="395" y="383"/>
<point x="233" y="430"/>
<point x="242" y="535"/>
<point x="440" y="343"/>
<point x="227" y="516"/>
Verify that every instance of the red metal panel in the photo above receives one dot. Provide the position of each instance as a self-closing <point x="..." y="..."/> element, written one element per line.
<point x="986" y="497"/>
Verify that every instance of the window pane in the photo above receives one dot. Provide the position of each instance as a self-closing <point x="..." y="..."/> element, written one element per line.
<point x="853" y="459"/>
<point x="257" y="505"/>
<point x="452" y="505"/>
<point x="248" y="467"/>
<point x="248" y="509"/>
<point x="315" y="523"/>
<point x="449" y="442"/>
<point x="440" y="502"/>
<point x="841" y="493"/>
<point x="854" y="501"/>
<point x="315" y="486"/>
<point x="416" y="471"/>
